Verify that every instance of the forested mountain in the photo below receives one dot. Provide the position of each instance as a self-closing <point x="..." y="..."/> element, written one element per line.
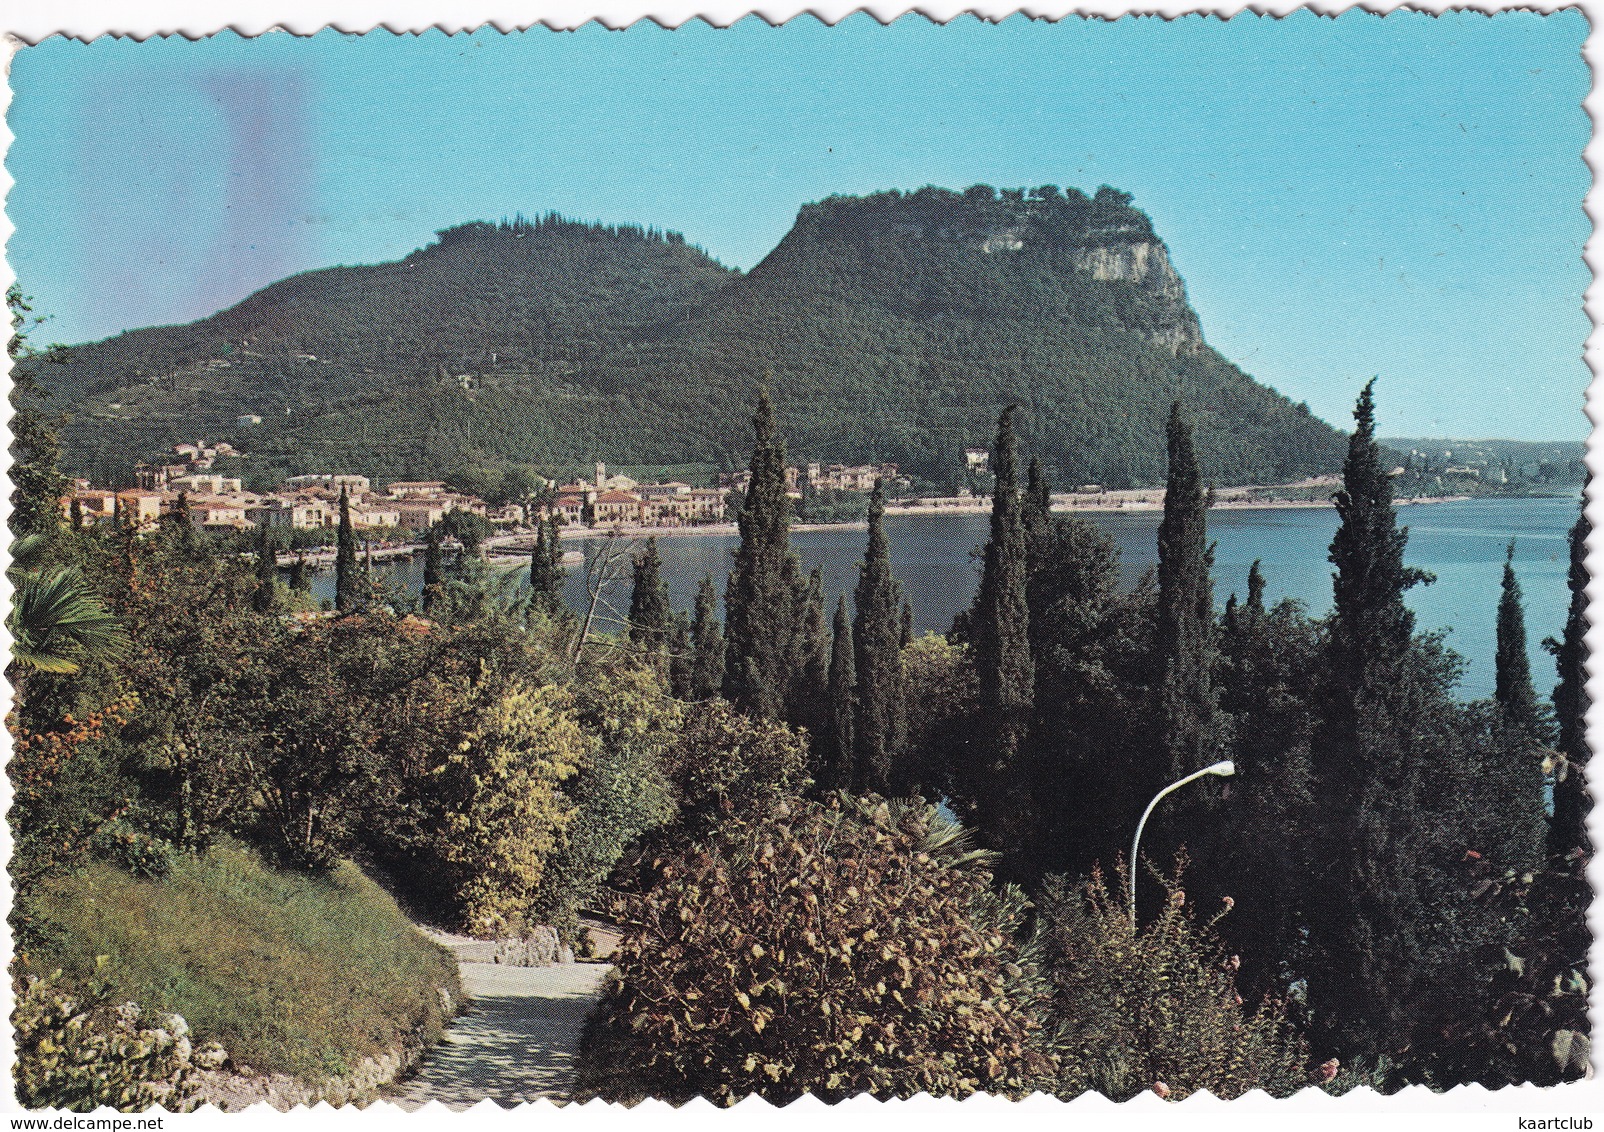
<point x="890" y="327"/>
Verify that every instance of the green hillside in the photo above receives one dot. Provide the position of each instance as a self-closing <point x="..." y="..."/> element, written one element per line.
<point x="891" y="327"/>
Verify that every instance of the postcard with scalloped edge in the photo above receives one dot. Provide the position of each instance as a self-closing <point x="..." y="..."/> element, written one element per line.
<point x="858" y="561"/>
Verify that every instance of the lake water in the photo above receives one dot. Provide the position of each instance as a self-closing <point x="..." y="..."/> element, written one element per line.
<point x="1461" y="543"/>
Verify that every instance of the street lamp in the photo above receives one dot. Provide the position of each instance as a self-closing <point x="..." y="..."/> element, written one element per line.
<point x="1224" y="769"/>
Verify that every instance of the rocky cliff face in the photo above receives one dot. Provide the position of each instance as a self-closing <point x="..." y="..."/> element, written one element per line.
<point x="1101" y="240"/>
<point x="1143" y="263"/>
<point x="1146" y="264"/>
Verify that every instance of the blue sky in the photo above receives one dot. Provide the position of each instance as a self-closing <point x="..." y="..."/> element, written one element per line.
<point x="1397" y="196"/>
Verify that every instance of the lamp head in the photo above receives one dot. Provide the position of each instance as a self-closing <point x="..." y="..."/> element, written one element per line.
<point x="1223" y="769"/>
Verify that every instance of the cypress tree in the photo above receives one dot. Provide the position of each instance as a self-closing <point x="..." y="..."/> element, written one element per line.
<point x="433" y="571"/>
<point x="300" y="576"/>
<point x="876" y="634"/>
<point x="1371" y="628"/>
<point x="1255" y="602"/>
<point x="345" y="570"/>
<point x="546" y="572"/>
<point x="1037" y="502"/>
<point x="835" y="771"/>
<point x="76" y="511"/>
<point x="905" y="637"/>
<point x="650" y="617"/>
<point x="183" y="525"/>
<point x="1185" y="611"/>
<point x="680" y="658"/>
<point x="809" y="702"/>
<point x="1567" y="830"/>
<point x="263" y="596"/>
<point x="1516" y="699"/>
<point x="707" y="644"/>
<point x="1376" y="914"/>
<point x="999" y="628"/>
<point x="760" y="596"/>
<point x="1500" y="793"/>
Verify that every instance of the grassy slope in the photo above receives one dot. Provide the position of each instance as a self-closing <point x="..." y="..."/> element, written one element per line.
<point x="293" y="974"/>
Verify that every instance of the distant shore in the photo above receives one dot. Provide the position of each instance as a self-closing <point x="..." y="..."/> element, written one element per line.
<point x="1127" y="502"/>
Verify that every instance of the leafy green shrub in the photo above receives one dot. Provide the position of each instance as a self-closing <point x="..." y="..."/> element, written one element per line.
<point x="620" y="792"/>
<point x="1523" y="1015"/>
<point x="725" y="765"/>
<point x="82" y="1050"/>
<point x="1157" y="1008"/>
<point x="848" y="947"/>
<point x="133" y="849"/>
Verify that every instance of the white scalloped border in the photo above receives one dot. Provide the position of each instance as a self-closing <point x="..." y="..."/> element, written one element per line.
<point x="1471" y="1107"/>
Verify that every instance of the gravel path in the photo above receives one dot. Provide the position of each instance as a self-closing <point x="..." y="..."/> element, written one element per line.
<point x="517" y="1042"/>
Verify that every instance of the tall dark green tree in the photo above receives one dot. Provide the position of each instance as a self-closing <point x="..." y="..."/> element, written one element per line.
<point x="650" y="617"/>
<point x="1256" y="840"/>
<point x="1037" y="501"/>
<point x="905" y="633"/>
<point x="434" y="578"/>
<point x="835" y="770"/>
<point x="1185" y="611"/>
<point x="707" y="644"/>
<point x="760" y="597"/>
<point x="346" y="583"/>
<point x="999" y="631"/>
<point x="1567" y="831"/>
<point x="1091" y="652"/>
<point x="180" y="521"/>
<point x="680" y="658"/>
<point x="546" y="572"/>
<point x="877" y="635"/>
<point x="266" y="592"/>
<point x="1376" y="914"/>
<point x="300" y="576"/>
<point x="1513" y="691"/>
<point x="1371" y="628"/>
<point x="808" y="700"/>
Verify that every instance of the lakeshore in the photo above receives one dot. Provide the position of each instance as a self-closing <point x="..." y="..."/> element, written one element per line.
<point x="1123" y="502"/>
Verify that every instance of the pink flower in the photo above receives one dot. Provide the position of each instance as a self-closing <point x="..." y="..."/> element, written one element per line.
<point x="1329" y="1069"/>
<point x="1161" y="1089"/>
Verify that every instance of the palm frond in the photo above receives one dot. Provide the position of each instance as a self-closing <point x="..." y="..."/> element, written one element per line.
<point x="28" y="554"/>
<point x="57" y="620"/>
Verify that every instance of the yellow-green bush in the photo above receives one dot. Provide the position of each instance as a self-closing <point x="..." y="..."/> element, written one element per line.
<point x="836" y="948"/>
<point x="501" y="806"/>
<point x="1157" y="1008"/>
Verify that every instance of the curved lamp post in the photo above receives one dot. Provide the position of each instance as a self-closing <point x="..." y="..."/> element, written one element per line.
<point x="1223" y="769"/>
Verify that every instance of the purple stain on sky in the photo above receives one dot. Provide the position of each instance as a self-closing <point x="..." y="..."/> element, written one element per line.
<point x="269" y="182"/>
<point x="223" y="180"/>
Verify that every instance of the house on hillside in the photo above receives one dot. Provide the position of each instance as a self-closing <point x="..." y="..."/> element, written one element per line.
<point x="302" y="512"/>
<point x="94" y="504"/>
<point x="143" y="509"/>
<point x="214" y="513"/>
<point x="419" y="489"/>
<point x="617" y="507"/>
